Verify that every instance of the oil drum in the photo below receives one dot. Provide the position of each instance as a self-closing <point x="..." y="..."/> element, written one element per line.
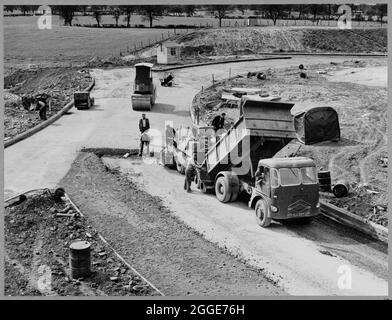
<point x="80" y="259"/>
<point x="340" y="189"/>
<point x="324" y="178"/>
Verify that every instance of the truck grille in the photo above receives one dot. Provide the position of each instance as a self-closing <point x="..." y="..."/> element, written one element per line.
<point x="299" y="208"/>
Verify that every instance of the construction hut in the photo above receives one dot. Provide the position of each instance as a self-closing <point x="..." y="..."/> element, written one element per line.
<point x="252" y="22"/>
<point x="169" y="53"/>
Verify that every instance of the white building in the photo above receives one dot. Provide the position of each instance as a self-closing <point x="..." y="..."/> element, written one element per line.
<point x="168" y="53"/>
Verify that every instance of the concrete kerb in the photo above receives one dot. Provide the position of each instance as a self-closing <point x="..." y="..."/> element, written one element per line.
<point x="330" y="211"/>
<point x="162" y="69"/>
<point x="44" y="124"/>
<point x="274" y="55"/>
<point x="347" y="218"/>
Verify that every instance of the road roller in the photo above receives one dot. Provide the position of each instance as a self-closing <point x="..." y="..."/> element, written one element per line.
<point x="144" y="90"/>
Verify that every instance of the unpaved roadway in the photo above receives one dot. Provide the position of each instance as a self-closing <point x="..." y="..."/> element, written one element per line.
<point x="293" y="255"/>
<point x="304" y="260"/>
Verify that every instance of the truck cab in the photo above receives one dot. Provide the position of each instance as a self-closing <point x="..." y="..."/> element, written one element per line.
<point x="285" y="188"/>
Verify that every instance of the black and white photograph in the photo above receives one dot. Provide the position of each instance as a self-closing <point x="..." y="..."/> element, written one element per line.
<point x="195" y="150"/>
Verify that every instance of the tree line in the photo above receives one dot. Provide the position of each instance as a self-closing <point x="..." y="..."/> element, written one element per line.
<point x="314" y="12"/>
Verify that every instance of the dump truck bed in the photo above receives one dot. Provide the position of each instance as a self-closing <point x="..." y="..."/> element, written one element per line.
<point x="264" y="127"/>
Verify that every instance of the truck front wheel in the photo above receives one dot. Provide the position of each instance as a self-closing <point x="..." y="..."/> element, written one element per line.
<point x="222" y="189"/>
<point x="262" y="214"/>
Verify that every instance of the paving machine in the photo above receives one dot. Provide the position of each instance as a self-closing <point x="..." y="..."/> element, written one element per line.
<point x="144" y="90"/>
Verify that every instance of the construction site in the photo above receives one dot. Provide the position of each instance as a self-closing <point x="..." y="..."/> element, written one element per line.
<point x="221" y="161"/>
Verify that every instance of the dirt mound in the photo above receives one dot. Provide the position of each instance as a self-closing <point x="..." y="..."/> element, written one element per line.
<point x="58" y="83"/>
<point x="238" y="40"/>
<point x="36" y="243"/>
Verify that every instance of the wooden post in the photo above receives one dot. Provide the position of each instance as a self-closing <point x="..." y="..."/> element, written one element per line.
<point x="229" y="73"/>
<point x="213" y="80"/>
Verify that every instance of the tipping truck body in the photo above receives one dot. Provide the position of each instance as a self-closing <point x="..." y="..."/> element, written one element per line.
<point x="83" y="100"/>
<point x="242" y="161"/>
<point x="144" y="89"/>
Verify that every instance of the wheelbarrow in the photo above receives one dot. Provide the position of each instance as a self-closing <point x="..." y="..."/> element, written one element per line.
<point x="167" y="80"/>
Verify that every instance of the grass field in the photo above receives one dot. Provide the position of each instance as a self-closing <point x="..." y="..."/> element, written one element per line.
<point x="25" y="43"/>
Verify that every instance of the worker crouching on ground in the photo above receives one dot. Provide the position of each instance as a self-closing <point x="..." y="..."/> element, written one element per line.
<point x="144" y="125"/>
<point x="190" y="172"/>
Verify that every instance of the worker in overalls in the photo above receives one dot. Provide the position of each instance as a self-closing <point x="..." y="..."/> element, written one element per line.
<point x="190" y="171"/>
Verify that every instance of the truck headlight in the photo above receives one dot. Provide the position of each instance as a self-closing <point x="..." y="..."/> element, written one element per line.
<point x="274" y="209"/>
<point x="318" y="205"/>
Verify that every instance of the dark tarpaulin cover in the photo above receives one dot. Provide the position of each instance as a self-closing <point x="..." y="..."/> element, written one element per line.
<point x="317" y="125"/>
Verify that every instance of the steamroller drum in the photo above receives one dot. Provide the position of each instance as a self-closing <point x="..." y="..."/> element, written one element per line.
<point x="142" y="103"/>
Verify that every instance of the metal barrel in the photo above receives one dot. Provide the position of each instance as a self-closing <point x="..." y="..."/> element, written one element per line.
<point x="80" y="259"/>
<point x="341" y="189"/>
<point x="324" y="178"/>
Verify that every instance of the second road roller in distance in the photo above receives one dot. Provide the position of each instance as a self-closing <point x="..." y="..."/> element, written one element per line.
<point x="144" y="90"/>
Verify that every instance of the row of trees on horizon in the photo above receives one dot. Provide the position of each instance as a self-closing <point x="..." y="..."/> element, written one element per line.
<point x="155" y="12"/>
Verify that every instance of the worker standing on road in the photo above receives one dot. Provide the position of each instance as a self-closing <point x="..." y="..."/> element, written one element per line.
<point x="144" y="125"/>
<point x="190" y="173"/>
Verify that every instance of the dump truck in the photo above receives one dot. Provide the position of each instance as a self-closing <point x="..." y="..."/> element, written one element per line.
<point x="144" y="89"/>
<point x="83" y="100"/>
<point x="241" y="161"/>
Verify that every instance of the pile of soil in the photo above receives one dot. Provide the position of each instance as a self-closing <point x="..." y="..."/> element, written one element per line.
<point x="37" y="254"/>
<point x="359" y="158"/>
<point x="59" y="83"/>
<point x="228" y="41"/>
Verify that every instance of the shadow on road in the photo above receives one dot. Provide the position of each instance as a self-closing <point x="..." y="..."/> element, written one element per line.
<point x="169" y="109"/>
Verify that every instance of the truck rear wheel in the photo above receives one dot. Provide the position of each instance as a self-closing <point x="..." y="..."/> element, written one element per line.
<point x="262" y="214"/>
<point x="222" y="189"/>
